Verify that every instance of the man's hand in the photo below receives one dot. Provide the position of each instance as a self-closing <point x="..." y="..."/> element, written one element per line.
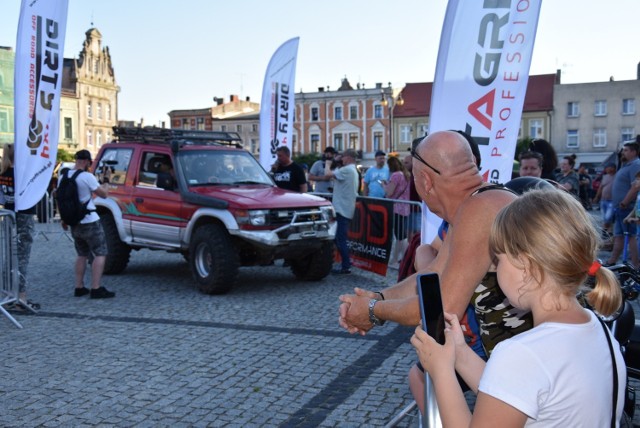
<point x="64" y="225"/>
<point x="354" y="311"/>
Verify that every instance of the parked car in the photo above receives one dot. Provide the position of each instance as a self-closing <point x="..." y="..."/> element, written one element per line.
<point x="200" y="194"/>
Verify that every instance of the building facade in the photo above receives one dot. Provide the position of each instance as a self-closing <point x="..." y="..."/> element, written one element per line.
<point x="7" y="61"/>
<point x="592" y="120"/>
<point x="347" y="118"/>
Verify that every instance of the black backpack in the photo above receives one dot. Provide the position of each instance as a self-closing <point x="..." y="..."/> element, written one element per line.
<point x="71" y="210"/>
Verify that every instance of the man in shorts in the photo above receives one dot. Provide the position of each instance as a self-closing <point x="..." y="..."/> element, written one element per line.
<point x="88" y="236"/>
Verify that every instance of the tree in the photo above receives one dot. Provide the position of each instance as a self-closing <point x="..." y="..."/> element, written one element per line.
<point x="64" y="156"/>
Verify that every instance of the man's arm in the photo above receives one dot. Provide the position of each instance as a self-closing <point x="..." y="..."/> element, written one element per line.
<point x="102" y="190"/>
<point x="303" y="188"/>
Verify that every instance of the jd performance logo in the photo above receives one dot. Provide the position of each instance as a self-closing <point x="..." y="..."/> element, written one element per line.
<point x="43" y="80"/>
<point x="280" y="111"/>
<point x="493" y="44"/>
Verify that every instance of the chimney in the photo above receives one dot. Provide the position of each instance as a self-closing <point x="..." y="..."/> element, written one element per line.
<point x="638" y="72"/>
<point x="248" y="99"/>
<point x="320" y="89"/>
<point x="558" y="76"/>
<point x="378" y="85"/>
<point x="218" y="101"/>
<point x="234" y="98"/>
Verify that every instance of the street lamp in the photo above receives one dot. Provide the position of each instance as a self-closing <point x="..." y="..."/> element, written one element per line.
<point x="391" y="102"/>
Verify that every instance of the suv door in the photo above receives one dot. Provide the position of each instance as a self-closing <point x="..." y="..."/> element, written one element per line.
<point x="155" y="212"/>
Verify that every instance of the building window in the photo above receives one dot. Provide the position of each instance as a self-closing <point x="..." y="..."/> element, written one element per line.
<point x="89" y="110"/>
<point x="337" y="142"/>
<point x="98" y="138"/>
<point x="201" y="123"/>
<point x="377" y="111"/>
<point x="96" y="66"/>
<point x="629" y="106"/>
<point x="223" y="128"/>
<point x="572" y="138"/>
<point x="377" y="141"/>
<point x="600" y="137"/>
<point x="99" y="110"/>
<point x="628" y="134"/>
<point x="353" y="112"/>
<point x="185" y="123"/>
<point x="68" y="130"/>
<point x="254" y="127"/>
<point x="535" y="128"/>
<point x="405" y="134"/>
<point x="353" y="140"/>
<point x="573" y="109"/>
<point x="238" y="128"/>
<point x="4" y="121"/>
<point x="600" y="108"/>
<point x="315" y="143"/>
<point x="108" y="111"/>
<point x="89" y="138"/>
<point x="337" y="113"/>
<point x="254" y="145"/>
<point x="314" y="114"/>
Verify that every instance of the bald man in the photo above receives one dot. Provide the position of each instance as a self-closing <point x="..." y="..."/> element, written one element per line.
<point x="449" y="182"/>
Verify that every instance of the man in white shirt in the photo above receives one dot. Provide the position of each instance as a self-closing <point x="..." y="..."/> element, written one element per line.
<point x="88" y="236"/>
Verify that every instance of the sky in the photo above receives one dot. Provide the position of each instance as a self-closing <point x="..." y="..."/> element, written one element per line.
<point x="171" y="55"/>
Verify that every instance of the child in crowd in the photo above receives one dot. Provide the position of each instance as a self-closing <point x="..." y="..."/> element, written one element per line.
<point x="559" y="373"/>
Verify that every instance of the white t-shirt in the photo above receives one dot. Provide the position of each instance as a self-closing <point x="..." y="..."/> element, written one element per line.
<point x="87" y="183"/>
<point x="345" y="190"/>
<point x="560" y="375"/>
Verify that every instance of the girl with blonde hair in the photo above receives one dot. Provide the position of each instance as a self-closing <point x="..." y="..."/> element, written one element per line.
<point x="559" y="373"/>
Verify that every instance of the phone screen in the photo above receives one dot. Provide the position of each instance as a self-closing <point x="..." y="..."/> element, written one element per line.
<point x="431" y="305"/>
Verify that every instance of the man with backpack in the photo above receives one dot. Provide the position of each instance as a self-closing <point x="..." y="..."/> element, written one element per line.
<point x="77" y="210"/>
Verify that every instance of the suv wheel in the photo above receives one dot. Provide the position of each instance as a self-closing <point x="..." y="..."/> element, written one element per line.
<point x="315" y="266"/>
<point x="213" y="261"/>
<point x="118" y="251"/>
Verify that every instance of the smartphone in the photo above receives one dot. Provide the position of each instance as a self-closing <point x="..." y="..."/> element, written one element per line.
<point x="431" y="305"/>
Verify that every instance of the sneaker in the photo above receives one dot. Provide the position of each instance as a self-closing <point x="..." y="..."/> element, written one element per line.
<point x="341" y="271"/>
<point x="101" y="293"/>
<point x="79" y="292"/>
<point x="29" y="304"/>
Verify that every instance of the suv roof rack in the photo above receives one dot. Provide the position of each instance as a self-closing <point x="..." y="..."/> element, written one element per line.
<point x="153" y="134"/>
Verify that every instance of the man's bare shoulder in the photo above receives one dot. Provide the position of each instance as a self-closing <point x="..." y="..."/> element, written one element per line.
<point x="484" y="205"/>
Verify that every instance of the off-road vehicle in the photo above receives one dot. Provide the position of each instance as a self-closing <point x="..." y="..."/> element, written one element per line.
<point x="200" y="194"/>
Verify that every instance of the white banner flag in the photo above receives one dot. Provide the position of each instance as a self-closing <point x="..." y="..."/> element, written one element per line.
<point x="278" y="104"/>
<point x="481" y="76"/>
<point x="481" y="79"/>
<point x="38" y="80"/>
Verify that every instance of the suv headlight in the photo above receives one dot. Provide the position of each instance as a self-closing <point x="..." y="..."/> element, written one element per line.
<point x="328" y="213"/>
<point x="252" y="217"/>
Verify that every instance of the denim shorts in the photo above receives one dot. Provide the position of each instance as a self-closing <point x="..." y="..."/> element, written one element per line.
<point x="606" y="208"/>
<point x="619" y="228"/>
<point x="89" y="238"/>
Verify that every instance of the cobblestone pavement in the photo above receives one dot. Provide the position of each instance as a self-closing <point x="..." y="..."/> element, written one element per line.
<point x="269" y="353"/>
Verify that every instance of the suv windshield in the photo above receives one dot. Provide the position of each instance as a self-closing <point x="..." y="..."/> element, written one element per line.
<point x="222" y="167"/>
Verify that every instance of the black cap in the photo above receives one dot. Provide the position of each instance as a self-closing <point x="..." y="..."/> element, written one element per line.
<point x="380" y="153"/>
<point x="83" y="155"/>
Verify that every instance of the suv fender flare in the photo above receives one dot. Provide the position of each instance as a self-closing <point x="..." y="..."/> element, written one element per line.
<point x="109" y="205"/>
<point x="204" y="215"/>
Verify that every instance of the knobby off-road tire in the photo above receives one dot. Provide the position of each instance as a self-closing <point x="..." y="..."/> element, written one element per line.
<point x="119" y="252"/>
<point x="316" y="266"/>
<point x="214" y="262"/>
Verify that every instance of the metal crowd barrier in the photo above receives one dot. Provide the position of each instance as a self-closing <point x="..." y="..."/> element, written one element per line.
<point x="9" y="286"/>
<point x="48" y="219"/>
<point x="403" y="228"/>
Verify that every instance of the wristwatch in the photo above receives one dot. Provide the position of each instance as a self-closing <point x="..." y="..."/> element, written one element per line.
<point x="372" y="317"/>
